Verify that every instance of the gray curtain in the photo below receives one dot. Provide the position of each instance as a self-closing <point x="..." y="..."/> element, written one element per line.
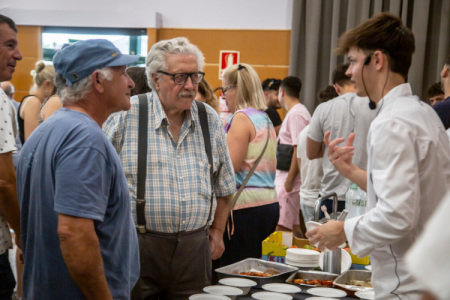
<point x="317" y="25"/>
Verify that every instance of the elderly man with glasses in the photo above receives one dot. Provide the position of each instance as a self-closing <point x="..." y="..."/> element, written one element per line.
<point x="180" y="204"/>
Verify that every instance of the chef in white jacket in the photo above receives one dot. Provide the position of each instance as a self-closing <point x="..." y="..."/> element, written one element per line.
<point x="408" y="168"/>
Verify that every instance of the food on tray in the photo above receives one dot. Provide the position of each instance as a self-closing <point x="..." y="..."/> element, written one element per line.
<point x="360" y="283"/>
<point x="309" y="247"/>
<point x="299" y="281"/>
<point x="314" y="282"/>
<point x="256" y="274"/>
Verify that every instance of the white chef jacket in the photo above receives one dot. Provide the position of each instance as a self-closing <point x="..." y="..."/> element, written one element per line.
<point x="408" y="174"/>
<point x="428" y="258"/>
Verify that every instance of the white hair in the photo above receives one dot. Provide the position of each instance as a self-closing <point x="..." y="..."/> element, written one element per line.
<point x="78" y="90"/>
<point x="156" y="58"/>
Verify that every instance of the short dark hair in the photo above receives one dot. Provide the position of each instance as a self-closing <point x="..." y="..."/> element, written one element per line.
<point x="271" y="84"/>
<point x="327" y="93"/>
<point x="339" y="76"/>
<point x="137" y="74"/>
<point x="383" y="32"/>
<point x="9" y="21"/>
<point x="434" y="90"/>
<point x="292" y="85"/>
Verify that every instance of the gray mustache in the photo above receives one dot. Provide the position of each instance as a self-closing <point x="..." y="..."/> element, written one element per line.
<point x="186" y="93"/>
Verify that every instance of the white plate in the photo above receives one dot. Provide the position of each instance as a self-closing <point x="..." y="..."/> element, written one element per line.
<point x="320" y="298"/>
<point x="281" y="288"/>
<point x="223" y="290"/>
<point x="302" y="265"/>
<point x="270" y="296"/>
<point x="300" y="252"/>
<point x="208" y="297"/>
<point x="238" y="282"/>
<point x="369" y="267"/>
<point x="366" y="295"/>
<point x="346" y="261"/>
<point x="327" y="292"/>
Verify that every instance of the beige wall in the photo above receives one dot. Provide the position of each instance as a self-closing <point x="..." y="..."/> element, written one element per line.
<point x="266" y="50"/>
<point x="30" y="45"/>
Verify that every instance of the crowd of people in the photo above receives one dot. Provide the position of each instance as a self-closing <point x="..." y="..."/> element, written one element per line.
<point x="130" y="184"/>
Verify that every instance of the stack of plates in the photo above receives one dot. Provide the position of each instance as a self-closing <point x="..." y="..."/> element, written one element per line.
<point x="302" y="258"/>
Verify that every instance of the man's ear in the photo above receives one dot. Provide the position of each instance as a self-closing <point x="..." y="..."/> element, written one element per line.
<point x="266" y="93"/>
<point x="379" y="60"/>
<point x="445" y="72"/>
<point x="98" y="82"/>
<point x="337" y="88"/>
<point x="156" y="80"/>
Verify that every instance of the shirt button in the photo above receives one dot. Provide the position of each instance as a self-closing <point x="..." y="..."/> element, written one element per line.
<point x="184" y="222"/>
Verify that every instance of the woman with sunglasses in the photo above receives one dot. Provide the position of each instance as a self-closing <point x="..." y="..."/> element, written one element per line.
<point x="255" y="214"/>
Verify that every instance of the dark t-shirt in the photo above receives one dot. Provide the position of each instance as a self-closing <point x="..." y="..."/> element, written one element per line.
<point x="273" y="116"/>
<point x="67" y="166"/>
<point x="443" y="111"/>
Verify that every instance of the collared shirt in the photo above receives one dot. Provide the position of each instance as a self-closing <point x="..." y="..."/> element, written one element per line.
<point x="443" y="110"/>
<point x="408" y="174"/>
<point x="177" y="188"/>
<point x="6" y="145"/>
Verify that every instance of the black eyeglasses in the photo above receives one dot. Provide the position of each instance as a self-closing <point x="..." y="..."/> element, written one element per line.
<point x="181" y="78"/>
<point x="226" y="88"/>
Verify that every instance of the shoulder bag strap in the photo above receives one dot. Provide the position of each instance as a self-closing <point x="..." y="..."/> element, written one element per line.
<point x="247" y="178"/>
<point x="142" y="163"/>
<point x="236" y="196"/>
<point x="207" y="139"/>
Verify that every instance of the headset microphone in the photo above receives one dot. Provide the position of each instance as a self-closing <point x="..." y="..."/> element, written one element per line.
<point x="372" y="104"/>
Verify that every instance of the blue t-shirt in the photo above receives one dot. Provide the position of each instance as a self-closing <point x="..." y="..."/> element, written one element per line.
<point x="443" y="110"/>
<point x="68" y="166"/>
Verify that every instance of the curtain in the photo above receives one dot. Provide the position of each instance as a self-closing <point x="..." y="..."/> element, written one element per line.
<point x="317" y="25"/>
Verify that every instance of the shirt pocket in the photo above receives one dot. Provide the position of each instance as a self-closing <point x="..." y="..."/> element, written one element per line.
<point x="199" y="172"/>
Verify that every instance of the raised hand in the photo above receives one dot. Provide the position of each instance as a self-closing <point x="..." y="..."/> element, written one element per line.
<point x="340" y="157"/>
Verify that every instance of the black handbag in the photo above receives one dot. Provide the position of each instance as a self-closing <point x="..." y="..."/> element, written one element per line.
<point x="284" y="156"/>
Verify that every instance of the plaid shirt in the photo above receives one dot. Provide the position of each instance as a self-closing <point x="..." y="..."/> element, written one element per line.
<point x="177" y="188"/>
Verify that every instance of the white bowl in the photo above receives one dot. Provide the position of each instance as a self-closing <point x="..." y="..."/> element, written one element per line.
<point x="366" y="295"/>
<point x="241" y="283"/>
<point x="282" y="288"/>
<point x="311" y="225"/>
<point x="208" y="297"/>
<point x="327" y="292"/>
<point x="271" y="296"/>
<point x="229" y="291"/>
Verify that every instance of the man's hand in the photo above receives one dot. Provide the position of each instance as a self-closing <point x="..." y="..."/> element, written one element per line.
<point x="329" y="235"/>
<point x="288" y="185"/>
<point x="340" y="157"/>
<point x="216" y="243"/>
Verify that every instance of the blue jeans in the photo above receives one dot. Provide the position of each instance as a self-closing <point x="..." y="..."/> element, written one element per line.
<point x="7" y="281"/>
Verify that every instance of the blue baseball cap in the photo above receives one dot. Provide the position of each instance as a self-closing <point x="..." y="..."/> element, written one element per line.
<point x="79" y="60"/>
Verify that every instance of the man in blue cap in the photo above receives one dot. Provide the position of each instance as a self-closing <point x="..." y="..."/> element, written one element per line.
<point x="79" y="239"/>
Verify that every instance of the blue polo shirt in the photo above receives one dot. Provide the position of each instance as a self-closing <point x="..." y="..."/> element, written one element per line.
<point x="67" y="166"/>
<point x="443" y="110"/>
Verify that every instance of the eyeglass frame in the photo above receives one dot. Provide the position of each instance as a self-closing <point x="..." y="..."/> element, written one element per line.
<point x="189" y="75"/>
<point x="225" y="89"/>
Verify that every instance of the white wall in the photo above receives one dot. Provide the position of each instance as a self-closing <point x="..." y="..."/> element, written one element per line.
<point x="229" y="14"/>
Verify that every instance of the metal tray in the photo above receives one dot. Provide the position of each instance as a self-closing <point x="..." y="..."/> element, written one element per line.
<point x="282" y="271"/>
<point x="343" y="280"/>
<point x="310" y="275"/>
